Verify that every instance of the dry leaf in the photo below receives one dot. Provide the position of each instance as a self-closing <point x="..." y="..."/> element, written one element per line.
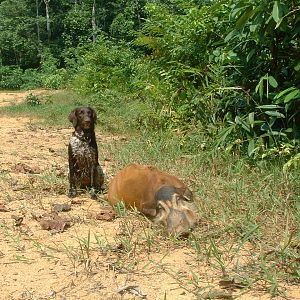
<point x="132" y="289"/>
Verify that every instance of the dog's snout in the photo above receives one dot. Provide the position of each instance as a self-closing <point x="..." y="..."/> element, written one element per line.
<point x="87" y="121"/>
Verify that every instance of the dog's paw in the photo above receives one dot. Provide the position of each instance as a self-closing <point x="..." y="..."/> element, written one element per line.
<point x="72" y="193"/>
<point x="93" y="194"/>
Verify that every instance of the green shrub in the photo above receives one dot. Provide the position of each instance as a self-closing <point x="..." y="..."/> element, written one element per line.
<point x="10" y="77"/>
<point x="31" y="79"/>
<point x="55" y="80"/>
<point x="32" y="100"/>
<point x="105" y="65"/>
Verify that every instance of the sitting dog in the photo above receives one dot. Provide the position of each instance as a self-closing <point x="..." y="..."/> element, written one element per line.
<point x="158" y="195"/>
<point x="84" y="168"/>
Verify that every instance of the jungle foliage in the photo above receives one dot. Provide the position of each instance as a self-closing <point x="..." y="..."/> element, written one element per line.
<point x="222" y="73"/>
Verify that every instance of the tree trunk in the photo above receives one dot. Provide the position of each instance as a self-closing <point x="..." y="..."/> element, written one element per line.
<point x="48" y="19"/>
<point x="94" y="25"/>
<point x="37" y="22"/>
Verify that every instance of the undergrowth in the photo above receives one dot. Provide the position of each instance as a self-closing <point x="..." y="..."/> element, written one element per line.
<point x="52" y="109"/>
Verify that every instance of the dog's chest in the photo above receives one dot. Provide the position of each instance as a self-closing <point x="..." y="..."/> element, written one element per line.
<point x="82" y="151"/>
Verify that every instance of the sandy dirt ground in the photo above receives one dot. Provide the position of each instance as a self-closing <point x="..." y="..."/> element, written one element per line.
<point x="91" y="255"/>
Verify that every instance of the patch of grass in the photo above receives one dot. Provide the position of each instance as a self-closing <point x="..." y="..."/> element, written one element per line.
<point x="13" y="237"/>
<point x="116" y="114"/>
<point x="50" y="182"/>
<point x="247" y="211"/>
<point x="125" y="113"/>
<point x="52" y="110"/>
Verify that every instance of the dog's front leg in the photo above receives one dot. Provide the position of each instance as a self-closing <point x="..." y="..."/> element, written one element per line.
<point x="93" y="190"/>
<point x="72" y="175"/>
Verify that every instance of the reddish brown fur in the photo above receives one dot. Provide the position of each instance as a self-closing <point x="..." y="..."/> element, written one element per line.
<point x="137" y="185"/>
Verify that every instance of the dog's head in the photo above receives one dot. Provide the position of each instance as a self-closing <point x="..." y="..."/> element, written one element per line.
<point x="83" y="118"/>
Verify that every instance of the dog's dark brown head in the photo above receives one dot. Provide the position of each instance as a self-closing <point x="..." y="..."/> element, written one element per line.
<point x="83" y="118"/>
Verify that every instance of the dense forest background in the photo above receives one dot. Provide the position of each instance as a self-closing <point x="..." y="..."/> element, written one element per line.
<point x="219" y="73"/>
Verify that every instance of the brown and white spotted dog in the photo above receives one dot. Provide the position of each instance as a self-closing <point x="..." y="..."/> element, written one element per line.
<point x="84" y="168"/>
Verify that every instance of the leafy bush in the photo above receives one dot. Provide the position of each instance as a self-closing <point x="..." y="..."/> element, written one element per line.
<point x="195" y="75"/>
<point x="263" y="32"/>
<point x="50" y="76"/>
<point x="31" y="79"/>
<point x="32" y="100"/>
<point x="10" y="77"/>
<point x="131" y="113"/>
<point x="105" y="65"/>
<point x="56" y="80"/>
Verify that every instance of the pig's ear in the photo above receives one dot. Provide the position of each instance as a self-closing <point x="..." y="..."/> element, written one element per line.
<point x="175" y="201"/>
<point x="163" y="212"/>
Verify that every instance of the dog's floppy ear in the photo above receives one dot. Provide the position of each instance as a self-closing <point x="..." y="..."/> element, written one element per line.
<point x="94" y="114"/>
<point x="73" y="118"/>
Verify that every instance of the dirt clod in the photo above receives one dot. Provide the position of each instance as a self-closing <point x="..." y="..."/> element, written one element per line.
<point x="61" y="207"/>
<point x="106" y="215"/>
<point x="53" y="221"/>
<point x="17" y="220"/>
<point x="24" y="168"/>
<point x="3" y="208"/>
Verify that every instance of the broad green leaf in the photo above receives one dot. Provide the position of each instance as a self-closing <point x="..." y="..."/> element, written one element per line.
<point x="216" y="52"/>
<point x="240" y="121"/>
<point x="260" y="87"/>
<point x="230" y="35"/>
<point x="273" y="113"/>
<point x="237" y="120"/>
<point x="243" y="19"/>
<point x="265" y="127"/>
<point x="250" y="54"/>
<point x="292" y="95"/>
<point x="246" y="127"/>
<point x="278" y="23"/>
<point x="236" y="11"/>
<point x="272" y="81"/>
<point x="223" y="135"/>
<point x="272" y="133"/>
<point x="251" y="118"/>
<point x="251" y="147"/>
<point x="284" y="92"/>
<point x="276" y="12"/>
<point x="269" y="106"/>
